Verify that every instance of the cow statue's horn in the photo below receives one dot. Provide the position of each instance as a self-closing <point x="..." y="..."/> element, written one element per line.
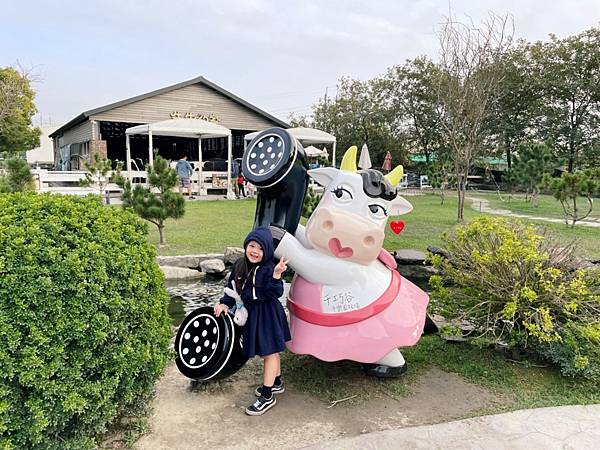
<point x="395" y="175"/>
<point x="349" y="160"/>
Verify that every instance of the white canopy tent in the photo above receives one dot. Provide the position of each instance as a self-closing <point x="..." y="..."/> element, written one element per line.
<point x="314" y="151"/>
<point x="306" y="136"/>
<point x="190" y="128"/>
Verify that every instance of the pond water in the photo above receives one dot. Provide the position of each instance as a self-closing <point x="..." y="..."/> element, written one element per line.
<point x="187" y="296"/>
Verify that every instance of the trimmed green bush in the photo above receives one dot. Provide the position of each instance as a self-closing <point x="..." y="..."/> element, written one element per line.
<point x="84" y="329"/>
<point x="515" y="287"/>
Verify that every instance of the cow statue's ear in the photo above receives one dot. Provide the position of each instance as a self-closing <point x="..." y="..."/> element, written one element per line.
<point x="324" y="175"/>
<point x="399" y="206"/>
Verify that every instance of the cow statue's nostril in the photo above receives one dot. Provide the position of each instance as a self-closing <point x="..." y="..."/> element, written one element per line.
<point x="369" y="241"/>
<point x="327" y="225"/>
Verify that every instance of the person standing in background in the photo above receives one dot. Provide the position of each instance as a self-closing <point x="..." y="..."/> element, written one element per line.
<point x="184" y="172"/>
<point x="235" y="172"/>
<point x="240" y="183"/>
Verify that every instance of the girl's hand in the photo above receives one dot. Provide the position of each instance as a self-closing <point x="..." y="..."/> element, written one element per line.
<point x="219" y="308"/>
<point x="280" y="268"/>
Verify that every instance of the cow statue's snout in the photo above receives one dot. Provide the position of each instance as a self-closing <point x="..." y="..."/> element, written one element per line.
<point x="345" y="235"/>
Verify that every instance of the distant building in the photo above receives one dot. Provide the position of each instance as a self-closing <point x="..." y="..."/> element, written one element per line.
<point x="43" y="156"/>
<point x="102" y="130"/>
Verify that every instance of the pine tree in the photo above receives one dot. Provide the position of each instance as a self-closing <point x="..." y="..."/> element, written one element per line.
<point x="156" y="207"/>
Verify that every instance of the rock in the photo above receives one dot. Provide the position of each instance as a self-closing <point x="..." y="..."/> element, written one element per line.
<point x="213" y="266"/>
<point x="232" y="254"/>
<point x="418" y="274"/>
<point x="438" y="251"/>
<point x="409" y="256"/>
<point x="189" y="261"/>
<point x="180" y="273"/>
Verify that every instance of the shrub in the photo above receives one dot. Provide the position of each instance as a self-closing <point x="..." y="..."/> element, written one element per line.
<point x="18" y="176"/>
<point x="84" y="329"/>
<point x="511" y="283"/>
<point x="311" y="201"/>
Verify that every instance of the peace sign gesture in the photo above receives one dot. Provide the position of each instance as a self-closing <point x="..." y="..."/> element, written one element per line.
<point x="280" y="268"/>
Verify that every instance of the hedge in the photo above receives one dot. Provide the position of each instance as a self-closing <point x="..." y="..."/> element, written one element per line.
<point x="84" y="329"/>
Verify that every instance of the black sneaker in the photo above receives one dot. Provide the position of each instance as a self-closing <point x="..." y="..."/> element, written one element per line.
<point x="276" y="389"/>
<point x="261" y="406"/>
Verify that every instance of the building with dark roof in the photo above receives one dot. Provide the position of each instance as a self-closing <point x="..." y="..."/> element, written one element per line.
<point x="102" y="130"/>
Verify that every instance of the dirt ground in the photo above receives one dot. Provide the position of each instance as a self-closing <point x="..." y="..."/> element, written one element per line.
<point x="213" y="416"/>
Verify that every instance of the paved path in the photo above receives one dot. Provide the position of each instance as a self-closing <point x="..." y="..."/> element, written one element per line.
<point x="565" y="427"/>
<point x="483" y="205"/>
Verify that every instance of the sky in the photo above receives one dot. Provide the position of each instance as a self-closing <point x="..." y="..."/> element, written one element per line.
<point x="282" y="56"/>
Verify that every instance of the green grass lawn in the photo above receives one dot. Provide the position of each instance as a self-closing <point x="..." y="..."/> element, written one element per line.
<point x="517" y="384"/>
<point x="210" y="226"/>
<point x="548" y="206"/>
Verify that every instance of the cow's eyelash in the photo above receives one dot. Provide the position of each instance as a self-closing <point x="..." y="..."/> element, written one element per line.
<point x="378" y="206"/>
<point x="340" y="189"/>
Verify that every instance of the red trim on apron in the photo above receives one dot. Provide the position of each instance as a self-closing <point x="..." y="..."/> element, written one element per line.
<point x="349" y="317"/>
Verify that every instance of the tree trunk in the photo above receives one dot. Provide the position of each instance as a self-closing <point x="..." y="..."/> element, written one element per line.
<point x="534" y="198"/>
<point x="508" y="155"/>
<point x="461" y="199"/>
<point x="161" y="234"/>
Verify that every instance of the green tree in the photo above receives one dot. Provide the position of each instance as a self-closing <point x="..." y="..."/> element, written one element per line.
<point x="357" y="115"/>
<point x="515" y="106"/>
<point x="412" y="104"/>
<point x="18" y="176"/>
<point x="568" y="73"/>
<point x="570" y="187"/>
<point x="156" y="208"/>
<point x="16" y="110"/>
<point x="439" y="175"/>
<point x="532" y="163"/>
<point x="99" y="175"/>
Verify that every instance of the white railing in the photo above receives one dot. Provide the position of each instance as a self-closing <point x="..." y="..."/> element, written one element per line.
<point x="66" y="182"/>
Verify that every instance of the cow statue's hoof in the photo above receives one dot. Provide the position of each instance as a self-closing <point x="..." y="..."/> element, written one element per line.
<point x="383" y="371"/>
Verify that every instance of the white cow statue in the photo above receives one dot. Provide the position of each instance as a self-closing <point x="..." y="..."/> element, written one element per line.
<point x="347" y="301"/>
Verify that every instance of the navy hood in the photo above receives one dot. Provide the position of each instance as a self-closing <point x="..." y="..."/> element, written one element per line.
<point x="264" y="237"/>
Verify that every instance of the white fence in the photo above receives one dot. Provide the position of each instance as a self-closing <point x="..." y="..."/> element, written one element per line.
<point x="69" y="182"/>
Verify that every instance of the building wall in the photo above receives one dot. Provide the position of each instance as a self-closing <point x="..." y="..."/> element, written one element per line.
<point x="79" y="133"/>
<point x="195" y="99"/>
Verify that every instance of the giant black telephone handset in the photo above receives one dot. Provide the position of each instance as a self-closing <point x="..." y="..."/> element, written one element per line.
<point x="275" y="162"/>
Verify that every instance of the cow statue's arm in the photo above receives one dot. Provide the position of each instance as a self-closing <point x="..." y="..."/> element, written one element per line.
<point x="314" y="266"/>
<point x="301" y="236"/>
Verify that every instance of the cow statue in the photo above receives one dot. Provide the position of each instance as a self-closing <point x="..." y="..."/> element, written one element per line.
<point x="347" y="301"/>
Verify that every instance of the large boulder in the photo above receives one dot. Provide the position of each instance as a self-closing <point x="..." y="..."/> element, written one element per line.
<point x="179" y="273"/>
<point x="213" y="266"/>
<point x="189" y="261"/>
<point x="232" y="254"/>
<point x="409" y="256"/>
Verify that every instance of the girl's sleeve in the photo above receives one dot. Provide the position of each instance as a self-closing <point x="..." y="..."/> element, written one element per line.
<point x="226" y="299"/>
<point x="272" y="289"/>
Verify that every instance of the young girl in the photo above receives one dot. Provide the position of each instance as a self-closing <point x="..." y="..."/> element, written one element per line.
<point x="258" y="281"/>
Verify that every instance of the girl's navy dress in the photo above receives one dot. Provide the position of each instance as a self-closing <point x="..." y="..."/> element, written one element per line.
<point x="266" y="330"/>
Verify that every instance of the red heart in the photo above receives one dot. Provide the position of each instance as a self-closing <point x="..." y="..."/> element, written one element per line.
<point x="397" y="226"/>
